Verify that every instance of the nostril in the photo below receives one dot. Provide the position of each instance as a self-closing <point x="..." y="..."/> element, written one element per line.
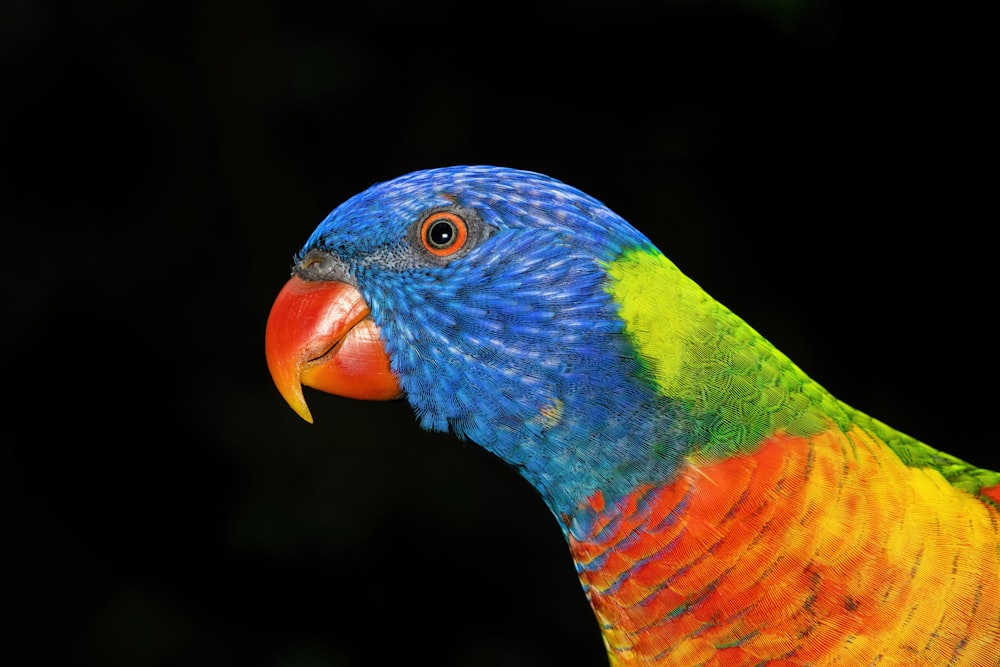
<point x="319" y="265"/>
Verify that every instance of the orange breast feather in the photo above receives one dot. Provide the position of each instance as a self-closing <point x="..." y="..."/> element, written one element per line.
<point x="814" y="550"/>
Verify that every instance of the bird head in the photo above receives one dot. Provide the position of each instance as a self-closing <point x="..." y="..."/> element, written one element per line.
<point x="482" y="296"/>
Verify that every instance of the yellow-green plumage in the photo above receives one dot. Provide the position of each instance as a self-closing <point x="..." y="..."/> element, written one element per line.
<point x="739" y="387"/>
<point x="799" y="531"/>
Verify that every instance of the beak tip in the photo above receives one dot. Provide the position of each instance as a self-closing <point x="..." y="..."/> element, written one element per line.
<point x="296" y="401"/>
<point x="305" y="414"/>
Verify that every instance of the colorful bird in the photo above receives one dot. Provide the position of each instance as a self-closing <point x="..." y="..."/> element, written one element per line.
<point x="721" y="507"/>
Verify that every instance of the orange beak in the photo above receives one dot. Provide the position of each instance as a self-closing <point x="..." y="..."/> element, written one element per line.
<point x="319" y="334"/>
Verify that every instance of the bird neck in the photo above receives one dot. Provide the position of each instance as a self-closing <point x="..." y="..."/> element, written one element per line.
<point x="695" y="381"/>
<point x="729" y="384"/>
<point x="596" y="440"/>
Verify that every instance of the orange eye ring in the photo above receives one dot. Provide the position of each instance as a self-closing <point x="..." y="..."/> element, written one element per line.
<point x="443" y="233"/>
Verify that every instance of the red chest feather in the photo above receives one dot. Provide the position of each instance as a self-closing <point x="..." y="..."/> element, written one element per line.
<point x="817" y="550"/>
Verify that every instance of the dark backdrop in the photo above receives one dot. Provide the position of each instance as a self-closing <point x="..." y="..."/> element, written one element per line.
<point x="816" y="165"/>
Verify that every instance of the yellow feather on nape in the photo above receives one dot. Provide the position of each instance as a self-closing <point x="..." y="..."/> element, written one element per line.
<point x="664" y="311"/>
<point x="734" y="386"/>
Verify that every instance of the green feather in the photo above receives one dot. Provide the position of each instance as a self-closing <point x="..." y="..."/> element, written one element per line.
<point x="736" y="387"/>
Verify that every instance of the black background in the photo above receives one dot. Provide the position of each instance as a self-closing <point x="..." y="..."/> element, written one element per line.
<point x="816" y="166"/>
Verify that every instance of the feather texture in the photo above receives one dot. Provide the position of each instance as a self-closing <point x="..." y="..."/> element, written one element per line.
<point x="722" y="508"/>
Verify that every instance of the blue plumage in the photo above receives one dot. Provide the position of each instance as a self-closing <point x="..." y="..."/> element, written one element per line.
<point x="525" y="358"/>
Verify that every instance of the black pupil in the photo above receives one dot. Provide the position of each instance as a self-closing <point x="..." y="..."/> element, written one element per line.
<point x="441" y="233"/>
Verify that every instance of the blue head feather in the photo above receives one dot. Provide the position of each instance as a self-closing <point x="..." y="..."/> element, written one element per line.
<point x="516" y="345"/>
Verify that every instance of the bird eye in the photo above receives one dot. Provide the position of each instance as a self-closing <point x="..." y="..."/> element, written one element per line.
<point x="443" y="233"/>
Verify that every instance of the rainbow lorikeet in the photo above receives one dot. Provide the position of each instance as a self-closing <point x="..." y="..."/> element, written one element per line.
<point x="721" y="507"/>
